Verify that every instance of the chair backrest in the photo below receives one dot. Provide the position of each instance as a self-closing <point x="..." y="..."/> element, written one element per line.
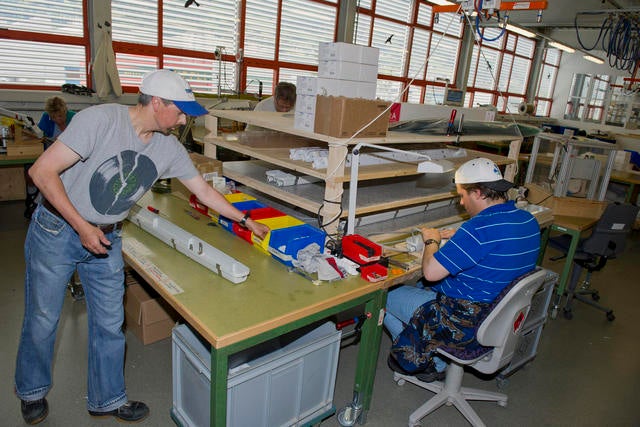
<point x="609" y="235"/>
<point x="503" y="325"/>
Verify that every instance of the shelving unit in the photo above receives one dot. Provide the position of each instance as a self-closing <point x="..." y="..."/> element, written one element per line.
<point x="566" y="152"/>
<point x="381" y="187"/>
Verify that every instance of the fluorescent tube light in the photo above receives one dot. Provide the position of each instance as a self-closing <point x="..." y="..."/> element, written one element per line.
<point x="442" y="2"/>
<point x="562" y="47"/>
<point x="521" y="31"/>
<point x="593" y="59"/>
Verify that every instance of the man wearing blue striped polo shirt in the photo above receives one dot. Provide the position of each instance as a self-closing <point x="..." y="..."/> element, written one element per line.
<point x="498" y="244"/>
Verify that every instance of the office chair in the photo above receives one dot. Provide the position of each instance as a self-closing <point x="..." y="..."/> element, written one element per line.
<point x="498" y="333"/>
<point x="607" y="239"/>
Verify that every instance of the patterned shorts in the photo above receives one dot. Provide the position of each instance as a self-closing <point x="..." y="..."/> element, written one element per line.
<point x="444" y="322"/>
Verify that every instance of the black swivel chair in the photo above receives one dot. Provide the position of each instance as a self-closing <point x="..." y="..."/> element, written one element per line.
<point x="607" y="239"/>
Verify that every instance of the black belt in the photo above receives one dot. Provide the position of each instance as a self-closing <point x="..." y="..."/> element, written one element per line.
<point x="105" y="228"/>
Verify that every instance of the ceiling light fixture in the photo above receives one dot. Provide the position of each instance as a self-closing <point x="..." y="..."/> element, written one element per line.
<point x="521" y="31"/>
<point x="593" y="59"/>
<point x="442" y="2"/>
<point x="562" y="47"/>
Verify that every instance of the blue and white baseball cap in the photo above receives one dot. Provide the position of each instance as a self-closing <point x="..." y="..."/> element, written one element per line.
<point x="171" y="86"/>
<point x="482" y="171"/>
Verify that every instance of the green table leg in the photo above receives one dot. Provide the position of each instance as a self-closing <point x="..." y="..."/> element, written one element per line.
<point x="568" y="264"/>
<point x="368" y="354"/>
<point x="219" y="361"/>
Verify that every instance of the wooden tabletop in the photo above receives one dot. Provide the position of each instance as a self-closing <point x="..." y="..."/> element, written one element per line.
<point x="574" y="222"/>
<point x="626" y="176"/>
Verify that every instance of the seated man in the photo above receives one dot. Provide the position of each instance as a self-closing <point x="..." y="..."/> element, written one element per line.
<point x="282" y="101"/>
<point x="498" y="244"/>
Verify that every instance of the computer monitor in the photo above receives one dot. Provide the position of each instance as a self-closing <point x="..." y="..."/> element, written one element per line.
<point x="454" y="97"/>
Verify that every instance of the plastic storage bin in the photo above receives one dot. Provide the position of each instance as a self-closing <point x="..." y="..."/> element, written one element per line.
<point x="273" y="224"/>
<point x="256" y="214"/>
<point x="292" y="384"/>
<point x="247" y="205"/>
<point x="284" y="243"/>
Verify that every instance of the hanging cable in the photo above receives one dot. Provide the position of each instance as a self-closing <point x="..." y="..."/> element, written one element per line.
<point x="619" y="37"/>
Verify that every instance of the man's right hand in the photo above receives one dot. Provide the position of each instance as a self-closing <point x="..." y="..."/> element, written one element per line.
<point x="94" y="240"/>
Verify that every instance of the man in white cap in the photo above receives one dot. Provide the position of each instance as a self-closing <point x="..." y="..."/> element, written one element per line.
<point x="90" y="178"/>
<point x="497" y="245"/>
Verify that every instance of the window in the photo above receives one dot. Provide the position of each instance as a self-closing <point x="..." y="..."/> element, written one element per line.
<point x="407" y="36"/>
<point x="210" y="47"/>
<point x="502" y="64"/>
<point x="42" y="46"/>
<point x="547" y="81"/>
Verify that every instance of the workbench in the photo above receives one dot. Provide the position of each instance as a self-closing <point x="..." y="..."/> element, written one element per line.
<point x="271" y="302"/>
<point x="13" y="166"/>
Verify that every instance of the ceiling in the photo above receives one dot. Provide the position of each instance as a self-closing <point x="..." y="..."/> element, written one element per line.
<point x="558" y="19"/>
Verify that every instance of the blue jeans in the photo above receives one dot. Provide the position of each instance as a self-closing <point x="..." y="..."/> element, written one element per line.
<point x="401" y="304"/>
<point x="52" y="252"/>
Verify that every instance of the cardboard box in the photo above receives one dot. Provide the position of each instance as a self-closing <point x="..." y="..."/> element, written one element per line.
<point x="145" y="316"/>
<point x="205" y="165"/>
<point x="341" y="117"/>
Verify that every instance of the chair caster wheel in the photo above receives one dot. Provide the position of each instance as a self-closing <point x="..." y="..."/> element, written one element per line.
<point x="610" y="316"/>
<point x="502" y="403"/>
<point x="595" y="296"/>
<point x="568" y="314"/>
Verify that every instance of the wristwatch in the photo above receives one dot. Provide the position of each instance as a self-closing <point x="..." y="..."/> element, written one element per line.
<point x="243" y="221"/>
<point x="430" y="241"/>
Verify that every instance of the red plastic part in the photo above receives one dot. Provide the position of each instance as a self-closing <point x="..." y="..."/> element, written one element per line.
<point x="360" y="249"/>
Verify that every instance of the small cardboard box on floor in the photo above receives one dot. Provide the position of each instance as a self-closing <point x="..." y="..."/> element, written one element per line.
<point x="145" y="313"/>
<point x="341" y="117"/>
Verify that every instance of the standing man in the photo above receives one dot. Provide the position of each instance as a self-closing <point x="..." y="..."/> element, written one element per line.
<point x="105" y="160"/>
<point x="498" y="244"/>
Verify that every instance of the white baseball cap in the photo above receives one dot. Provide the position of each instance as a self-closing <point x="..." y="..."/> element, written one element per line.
<point x="171" y="86"/>
<point x="482" y="171"/>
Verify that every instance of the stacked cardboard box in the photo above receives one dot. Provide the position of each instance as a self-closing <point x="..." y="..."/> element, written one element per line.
<point x="344" y="69"/>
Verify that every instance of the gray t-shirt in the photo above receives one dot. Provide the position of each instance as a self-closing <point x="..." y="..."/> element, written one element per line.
<point x="112" y="154"/>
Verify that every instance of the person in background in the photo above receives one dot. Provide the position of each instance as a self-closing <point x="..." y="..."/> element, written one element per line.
<point x="108" y="157"/>
<point x="495" y="246"/>
<point x="55" y="119"/>
<point x="282" y="101"/>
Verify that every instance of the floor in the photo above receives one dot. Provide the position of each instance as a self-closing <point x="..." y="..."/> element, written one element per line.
<point x="586" y="373"/>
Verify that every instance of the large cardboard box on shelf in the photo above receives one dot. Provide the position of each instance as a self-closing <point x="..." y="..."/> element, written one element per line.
<point x="205" y="165"/>
<point x="341" y="117"/>
<point x="565" y="206"/>
<point x="149" y="318"/>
